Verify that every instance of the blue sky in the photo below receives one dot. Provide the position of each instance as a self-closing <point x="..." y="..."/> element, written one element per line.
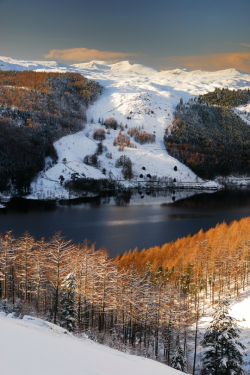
<point x="164" y="34"/>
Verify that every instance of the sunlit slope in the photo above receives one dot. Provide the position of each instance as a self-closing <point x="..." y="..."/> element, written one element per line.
<point x="28" y="349"/>
<point x="219" y="245"/>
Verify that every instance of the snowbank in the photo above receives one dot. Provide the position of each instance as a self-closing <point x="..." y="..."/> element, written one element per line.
<point x="28" y="349"/>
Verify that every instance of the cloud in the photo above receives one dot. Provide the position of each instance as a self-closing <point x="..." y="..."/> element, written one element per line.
<point x="245" y="45"/>
<point x="212" y="62"/>
<point x="85" y="54"/>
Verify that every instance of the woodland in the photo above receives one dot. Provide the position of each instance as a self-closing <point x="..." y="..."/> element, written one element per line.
<point x="37" y="108"/>
<point x="209" y="137"/>
<point x="144" y="303"/>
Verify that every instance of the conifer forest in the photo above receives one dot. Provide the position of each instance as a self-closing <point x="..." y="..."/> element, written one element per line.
<point x="209" y="137"/>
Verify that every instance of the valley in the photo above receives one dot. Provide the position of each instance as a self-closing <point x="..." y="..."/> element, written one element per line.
<point x="136" y="97"/>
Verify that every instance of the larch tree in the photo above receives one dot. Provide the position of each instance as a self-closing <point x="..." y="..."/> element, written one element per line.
<point x="6" y="260"/>
<point x="60" y="253"/>
<point x="25" y="250"/>
<point x="39" y="269"/>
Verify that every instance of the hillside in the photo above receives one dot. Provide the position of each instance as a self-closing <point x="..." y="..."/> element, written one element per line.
<point x="58" y="351"/>
<point x="139" y="302"/>
<point x="225" y="245"/>
<point x="36" y="108"/>
<point x="142" y="99"/>
<point x="212" y="140"/>
<point x="32" y="346"/>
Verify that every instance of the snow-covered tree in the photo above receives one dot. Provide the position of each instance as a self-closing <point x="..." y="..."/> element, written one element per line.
<point x="224" y="353"/>
<point x="68" y="302"/>
<point x="179" y="360"/>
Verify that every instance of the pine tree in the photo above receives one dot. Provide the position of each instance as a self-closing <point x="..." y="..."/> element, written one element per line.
<point x="179" y="361"/>
<point x="68" y="302"/>
<point x="223" y="354"/>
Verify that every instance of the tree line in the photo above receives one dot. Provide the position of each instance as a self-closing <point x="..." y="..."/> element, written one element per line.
<point x="219" y="258"/>
<point x="225" y="97"/>
<point x="86" y="291"/>
<point x="145" y="308"/>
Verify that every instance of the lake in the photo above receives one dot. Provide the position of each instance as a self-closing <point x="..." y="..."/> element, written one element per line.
<point x="135" y="219"/>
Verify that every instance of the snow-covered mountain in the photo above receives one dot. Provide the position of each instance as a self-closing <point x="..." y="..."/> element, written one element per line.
<point x="137" y="96"/>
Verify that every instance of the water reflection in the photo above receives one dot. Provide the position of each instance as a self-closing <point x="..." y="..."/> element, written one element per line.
<point x="190" y="216"/>
<point x="126" y="221"/>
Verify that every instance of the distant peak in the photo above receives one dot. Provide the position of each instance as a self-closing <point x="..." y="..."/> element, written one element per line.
<point x="132" y="67"/>
<point x="176" y="71"/>
<point x="95" y="64"/>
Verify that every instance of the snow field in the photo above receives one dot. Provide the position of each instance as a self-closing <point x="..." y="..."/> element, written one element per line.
<point x="41" y="347"/>
<point x="31" y="347"/>
<point x="244" y="112"/>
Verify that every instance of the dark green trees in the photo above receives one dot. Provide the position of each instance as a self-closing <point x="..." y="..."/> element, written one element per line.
<point x="224" y="354"/>
<point x="179" y="360"/>
<point x="68" y="300"/>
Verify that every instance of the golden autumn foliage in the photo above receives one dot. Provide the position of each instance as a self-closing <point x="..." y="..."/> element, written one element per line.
<point x="140" y="135"/>
<point x="123" y="140"/>
<point x="39" y="81"/>
<point x="34" y="91"/>
<point x="220" y="244"/>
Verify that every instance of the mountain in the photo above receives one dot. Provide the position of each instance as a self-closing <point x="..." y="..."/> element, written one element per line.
<point x="139" y="98"/>
<point x="95" y="64"/>
<point x="130" y="67"/>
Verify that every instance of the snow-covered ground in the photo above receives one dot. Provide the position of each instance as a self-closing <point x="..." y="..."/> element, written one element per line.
<point x="33" y="347"/>
<point x="145" y="95"/>
<point x="244" y="112"/>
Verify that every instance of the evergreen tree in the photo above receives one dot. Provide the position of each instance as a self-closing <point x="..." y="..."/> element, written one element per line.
<point x="223" y="354"/>
<point x="68" y="300"/>
<point x="179" y="361"/>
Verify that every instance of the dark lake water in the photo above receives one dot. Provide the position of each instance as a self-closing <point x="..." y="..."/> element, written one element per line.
<point x="126" y="221"/>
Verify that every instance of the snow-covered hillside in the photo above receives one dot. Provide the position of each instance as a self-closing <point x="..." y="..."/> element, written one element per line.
<point x="34" y="347"/>
<point x="137" y="96"/>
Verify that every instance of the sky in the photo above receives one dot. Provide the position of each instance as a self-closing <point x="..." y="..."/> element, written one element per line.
<point x="207" y="35"/>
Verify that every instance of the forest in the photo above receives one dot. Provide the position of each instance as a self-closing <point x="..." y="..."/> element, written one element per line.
<point x="225" y="97"/>
<point x="209" y="137"/>
<point x="145" y="303"/>
<point x="37" y="108"/>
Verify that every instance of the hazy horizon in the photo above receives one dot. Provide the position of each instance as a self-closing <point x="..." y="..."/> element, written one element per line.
<point x="160" y="34"/>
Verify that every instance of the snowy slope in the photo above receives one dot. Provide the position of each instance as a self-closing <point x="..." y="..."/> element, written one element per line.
<point x="147" y="96"/>
<point x="34" y="348"/>
<point x="7" y="63"/>
<point x="244" y="112"/>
